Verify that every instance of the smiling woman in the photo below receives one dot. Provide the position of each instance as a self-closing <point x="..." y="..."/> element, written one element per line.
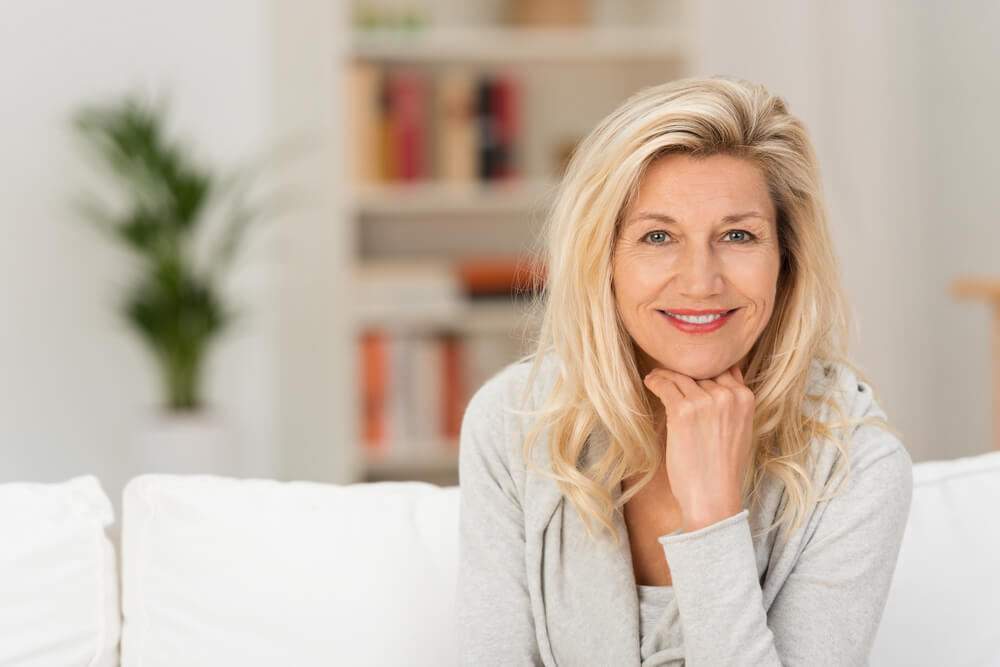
<point x="689" y="392"/>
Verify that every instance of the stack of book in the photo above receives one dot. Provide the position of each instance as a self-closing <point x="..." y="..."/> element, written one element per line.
<point x="415" y="389"/>
<point x="400" y="290"/>
<point x="455" y="126"/>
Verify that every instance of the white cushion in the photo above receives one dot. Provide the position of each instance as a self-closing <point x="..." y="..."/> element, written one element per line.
<point x="944" y="603"/>
<point x="221" y="571"/>
<point x="58" y="584"/>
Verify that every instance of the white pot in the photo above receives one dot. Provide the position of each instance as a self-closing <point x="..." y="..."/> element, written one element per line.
<point x="186" y="443"/>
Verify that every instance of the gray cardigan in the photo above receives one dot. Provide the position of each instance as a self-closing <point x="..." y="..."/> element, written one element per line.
<point x="533" y="589"/>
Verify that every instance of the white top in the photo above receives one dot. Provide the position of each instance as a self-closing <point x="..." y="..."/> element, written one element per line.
<point x="653" y="603"/>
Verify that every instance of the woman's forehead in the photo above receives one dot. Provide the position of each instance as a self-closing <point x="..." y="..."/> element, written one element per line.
<point x="723" y="188"/>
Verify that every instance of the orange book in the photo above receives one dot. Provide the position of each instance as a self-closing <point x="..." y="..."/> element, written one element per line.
<point x="453" y="399"/>
<point x="374" y="388"/>
<point x="500" y="276"/>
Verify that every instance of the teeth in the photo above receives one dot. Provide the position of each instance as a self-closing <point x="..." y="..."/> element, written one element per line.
<point x="696" y="319"/>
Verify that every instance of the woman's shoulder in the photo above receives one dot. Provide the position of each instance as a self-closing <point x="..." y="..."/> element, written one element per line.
<point x="849" y="404"/>
<point x="506" y="389"/>
<point x="495" y="423"/>
<point x="836" y="391"/>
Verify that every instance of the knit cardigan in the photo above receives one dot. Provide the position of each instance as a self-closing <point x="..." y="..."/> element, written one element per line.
<point x="535" y="589"/>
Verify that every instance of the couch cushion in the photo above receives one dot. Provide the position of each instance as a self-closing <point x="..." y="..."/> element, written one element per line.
<point x="944" y="602"/>
<point x="58" y="583"/>
<point x="221" y="571"/>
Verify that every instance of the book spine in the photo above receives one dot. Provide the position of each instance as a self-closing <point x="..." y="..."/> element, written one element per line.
<point x="407" y="108"/>
<point x="456" y="116"/>
<point x="364" y="97"/>
<point x="504" y="107"/>
<point x="374" y="382"/>
<point x="386" y="157"/>
<point x="486" y="124"/>
<point x="453" y="390"/>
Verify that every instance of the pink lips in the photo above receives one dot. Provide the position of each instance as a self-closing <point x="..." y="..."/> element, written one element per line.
<point x="692" y="328"/>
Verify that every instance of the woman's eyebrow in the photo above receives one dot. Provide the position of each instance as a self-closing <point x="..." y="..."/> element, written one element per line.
<point x="664" y="218"/>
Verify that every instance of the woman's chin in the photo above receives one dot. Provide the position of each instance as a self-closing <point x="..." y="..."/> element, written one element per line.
<point x="698" y="371"/>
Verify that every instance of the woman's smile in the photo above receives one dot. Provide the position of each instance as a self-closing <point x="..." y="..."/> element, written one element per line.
<point x="698" y="321"/>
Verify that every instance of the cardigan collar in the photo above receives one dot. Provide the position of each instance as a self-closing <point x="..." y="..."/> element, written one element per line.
<point x="584" y="596"/>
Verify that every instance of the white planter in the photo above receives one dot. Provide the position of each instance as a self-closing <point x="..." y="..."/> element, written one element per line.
<point x="186" y="443"/>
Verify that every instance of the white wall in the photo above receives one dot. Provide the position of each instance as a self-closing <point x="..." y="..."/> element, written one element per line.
<point x="75" y="384"/>
<point x="962" y="95"/>
<point x="899" y="114"/>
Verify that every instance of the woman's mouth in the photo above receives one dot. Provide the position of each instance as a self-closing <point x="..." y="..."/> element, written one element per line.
<point x="698" y="322"/>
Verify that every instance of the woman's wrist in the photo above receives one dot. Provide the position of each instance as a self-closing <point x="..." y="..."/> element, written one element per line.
<point x="696" y="520"/>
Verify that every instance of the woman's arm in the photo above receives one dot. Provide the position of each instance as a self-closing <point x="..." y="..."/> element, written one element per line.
<point x="495" y="624"/>
<point x="828" y="609"/>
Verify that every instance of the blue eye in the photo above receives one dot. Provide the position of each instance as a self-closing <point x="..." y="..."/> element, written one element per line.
<point x="656" y="238"/>
<point x="739" y="236"/>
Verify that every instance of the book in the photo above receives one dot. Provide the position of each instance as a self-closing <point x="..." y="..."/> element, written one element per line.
<point x="364" y="83"/>
<point x="455" y="127"/>
<point x="391" y="291"/>
<point x="416" y="388"/>
<point x="374" y="390"/>
<point x="504" y="109"/>
<point x="406" y="108"/>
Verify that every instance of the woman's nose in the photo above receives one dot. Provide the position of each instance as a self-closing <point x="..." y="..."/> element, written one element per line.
<point x="699" y="273"/>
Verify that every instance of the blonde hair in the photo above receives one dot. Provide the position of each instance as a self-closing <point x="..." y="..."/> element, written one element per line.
<point x="598" y="384"/>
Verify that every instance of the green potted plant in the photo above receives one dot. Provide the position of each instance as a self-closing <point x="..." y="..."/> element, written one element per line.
<point x="175" y="304"/>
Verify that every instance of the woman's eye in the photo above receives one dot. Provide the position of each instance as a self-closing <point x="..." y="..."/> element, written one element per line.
<point x="655" y="238"/>
<point x="739" y="236"/>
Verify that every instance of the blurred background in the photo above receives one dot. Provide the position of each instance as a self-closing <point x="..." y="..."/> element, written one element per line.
<point x="425" y="139"/>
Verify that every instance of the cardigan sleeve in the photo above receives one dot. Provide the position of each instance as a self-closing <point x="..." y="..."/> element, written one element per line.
<point x="828" y="609"/>
<point x="495" y="624"/>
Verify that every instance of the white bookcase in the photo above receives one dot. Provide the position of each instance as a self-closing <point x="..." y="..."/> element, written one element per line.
<point x="568" y="78"/>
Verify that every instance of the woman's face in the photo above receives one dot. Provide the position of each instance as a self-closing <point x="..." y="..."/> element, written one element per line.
<point x="696" y="263"/>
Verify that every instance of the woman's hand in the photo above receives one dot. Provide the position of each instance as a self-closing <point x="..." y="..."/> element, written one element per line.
<point x="709" y="433"/>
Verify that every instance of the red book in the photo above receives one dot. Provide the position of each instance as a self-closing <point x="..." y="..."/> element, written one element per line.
<point x="504" y="107"/>
<point x="407" y="118"/>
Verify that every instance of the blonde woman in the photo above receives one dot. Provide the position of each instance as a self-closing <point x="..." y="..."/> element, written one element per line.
<point x="687" y="470"/>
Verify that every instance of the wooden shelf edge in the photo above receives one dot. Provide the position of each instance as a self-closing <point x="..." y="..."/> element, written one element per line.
<point x="473" y="319"/>
<point x="435" y="197"/>
<point x="416" y="464"/>
<point x="977" y="288"/>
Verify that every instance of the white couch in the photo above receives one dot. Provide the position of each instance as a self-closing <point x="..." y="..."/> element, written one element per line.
<point x="220" y="572"/>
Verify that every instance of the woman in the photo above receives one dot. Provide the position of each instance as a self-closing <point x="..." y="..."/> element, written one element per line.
<point x="687" y="470"/>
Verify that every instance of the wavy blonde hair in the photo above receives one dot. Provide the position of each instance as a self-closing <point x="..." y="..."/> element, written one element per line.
<point x="598" y="383"/>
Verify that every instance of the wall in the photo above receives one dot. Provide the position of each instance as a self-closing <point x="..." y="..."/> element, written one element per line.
<point x="76" y="386"/>
<point x="962" y="94"/>
<point x="897" y="107"/>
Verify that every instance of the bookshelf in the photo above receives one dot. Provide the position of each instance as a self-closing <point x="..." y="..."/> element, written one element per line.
<point x="460" y="126"/>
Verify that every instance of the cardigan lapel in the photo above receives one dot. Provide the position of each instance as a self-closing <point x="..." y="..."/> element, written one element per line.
<point x="583" y="591"/>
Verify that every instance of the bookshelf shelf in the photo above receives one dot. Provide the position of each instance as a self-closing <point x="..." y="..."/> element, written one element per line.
<point x="484" y="45"/>
<point x="467" y="319"/>
<point x="431" y="197"/>
<point x="418" y="465"/>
